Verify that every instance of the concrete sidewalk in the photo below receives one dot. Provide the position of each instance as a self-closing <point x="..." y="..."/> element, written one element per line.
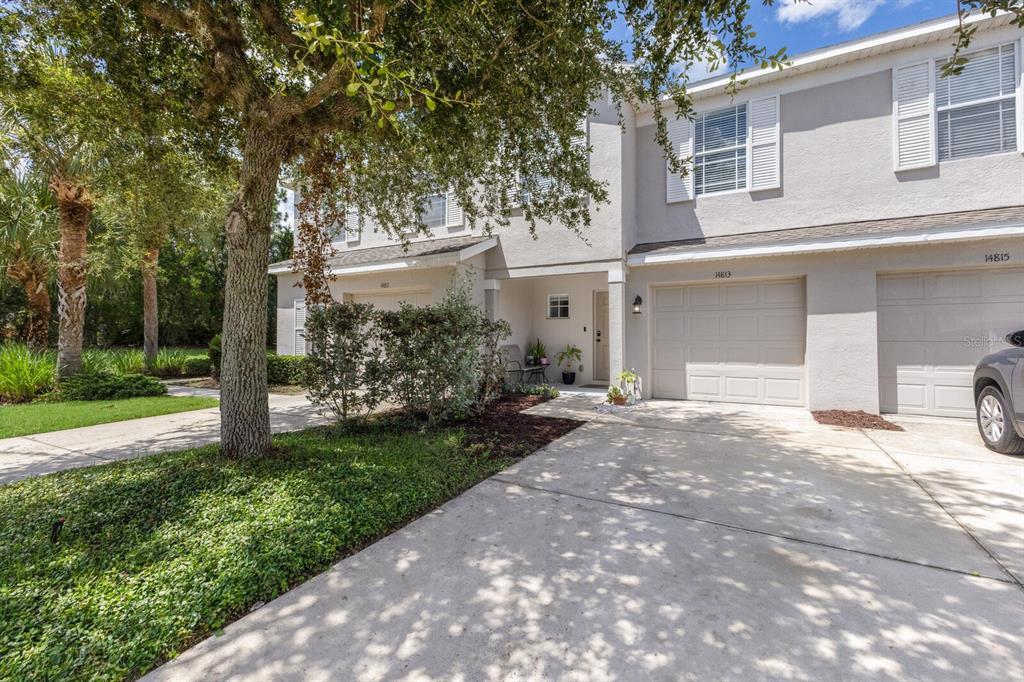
<point x="677" y="541"/>
<point x="44" y="453"/>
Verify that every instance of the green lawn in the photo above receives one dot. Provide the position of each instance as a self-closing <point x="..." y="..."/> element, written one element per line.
<point x="22" y="420"/>
<point x="157" y="552"/>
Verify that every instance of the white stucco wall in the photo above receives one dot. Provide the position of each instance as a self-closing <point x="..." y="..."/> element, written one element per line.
<point x="841" y="354"/>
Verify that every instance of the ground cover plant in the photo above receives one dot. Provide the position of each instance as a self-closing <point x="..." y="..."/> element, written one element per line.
<point x="29" y="418"/>
<point x="152" y="554"/>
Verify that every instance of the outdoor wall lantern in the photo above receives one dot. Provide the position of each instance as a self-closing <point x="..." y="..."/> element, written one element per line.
<point x="638" y="304"/>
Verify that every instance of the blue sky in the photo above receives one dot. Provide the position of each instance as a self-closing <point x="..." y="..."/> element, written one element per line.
<point x="803" y="26"/>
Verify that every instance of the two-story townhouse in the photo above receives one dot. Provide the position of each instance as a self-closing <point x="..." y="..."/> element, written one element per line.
<point x="850" y="235"/>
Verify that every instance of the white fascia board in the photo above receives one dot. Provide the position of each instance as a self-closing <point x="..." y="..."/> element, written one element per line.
<point x="837" y="244"/>
<point x="279" y="269"/>
<point x="438" y="261"/>
<point x="846" y="49"/>
<point x="476" y="249"/>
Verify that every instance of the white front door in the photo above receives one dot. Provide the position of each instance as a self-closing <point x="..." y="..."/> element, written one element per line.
<point x="934" y="327"/>
<point x="739" y="342"/>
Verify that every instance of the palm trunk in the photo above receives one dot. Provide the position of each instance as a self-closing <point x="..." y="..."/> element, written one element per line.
<point x="33" y="275"/>
<point x="150" y="319"/>
<point x="245" y="415"/>
<point x="74" y="207"/>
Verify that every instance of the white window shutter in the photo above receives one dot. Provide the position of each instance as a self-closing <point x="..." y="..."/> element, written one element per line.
<point x="300" y="327"/>
<point x="581" y="138"/>
<point x="680" y="136"/>
<point x="352" y="225"/>
<point x="453" y="211"/>
<point x="1019" y="75"/>
<point x="914" y="116"/>
<point x="763" y="119"/>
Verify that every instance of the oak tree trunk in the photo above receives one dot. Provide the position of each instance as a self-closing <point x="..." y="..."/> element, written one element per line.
<point x="33" y="275"/>
<point x="74" y="207"/>
<point x="244" y="411"/>
<point x="150" y="320"/>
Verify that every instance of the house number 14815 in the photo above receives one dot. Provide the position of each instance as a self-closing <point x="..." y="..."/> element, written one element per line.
<point x="997" y="257"/>
<point x="723" y="274"/>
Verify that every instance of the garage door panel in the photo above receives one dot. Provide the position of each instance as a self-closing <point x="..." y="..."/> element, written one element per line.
<point x="929" y="345"/>
<point x="668" y="298"/>
<point x="788" y="325"/>
<point x="900" y="323"/>
<point x="734" y="348"/>
<point x="901" y="287"/>
<point x="703" y="326"/>
<point x="669" y="327"/>
<point x="741" y="295"/>
<point x="965" y="285"/>
<point x="783" y="391"/>
<point x="709" y="296"/>
<point x="783" y="293"/>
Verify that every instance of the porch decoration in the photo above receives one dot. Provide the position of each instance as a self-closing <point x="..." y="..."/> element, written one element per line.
<point x="570" y="357"/>
<point x="538" y="352"/>
<point x="631" y="386"/>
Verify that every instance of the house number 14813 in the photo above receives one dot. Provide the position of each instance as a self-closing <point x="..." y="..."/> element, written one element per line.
<point x="723" y="274"/>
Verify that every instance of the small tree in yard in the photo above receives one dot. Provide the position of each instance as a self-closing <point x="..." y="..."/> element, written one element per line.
<point x="343" y="372"/>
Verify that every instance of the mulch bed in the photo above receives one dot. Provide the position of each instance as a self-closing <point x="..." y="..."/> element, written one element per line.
<point x="505" y="431"/>
<point x="854" y="419"/>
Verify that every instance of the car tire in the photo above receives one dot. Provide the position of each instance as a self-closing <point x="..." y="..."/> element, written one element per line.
<point x="995" y="423"/>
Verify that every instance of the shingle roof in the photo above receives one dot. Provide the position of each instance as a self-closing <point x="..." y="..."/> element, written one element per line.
<point x="855" y="229"/>
<point x="383" y="254"/>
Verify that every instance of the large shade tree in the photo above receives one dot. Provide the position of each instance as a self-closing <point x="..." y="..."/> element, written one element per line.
<point x="383" y="102"/>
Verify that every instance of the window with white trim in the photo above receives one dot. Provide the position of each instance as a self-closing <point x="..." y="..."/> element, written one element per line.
<point x="435" y="211"/>
<point x="976" y="110"/>
<point x="558" y="306"/>
<point x="720" y="150"/>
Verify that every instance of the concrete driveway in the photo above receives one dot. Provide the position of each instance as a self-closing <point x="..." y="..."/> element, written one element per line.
<point x="682" y="541"/>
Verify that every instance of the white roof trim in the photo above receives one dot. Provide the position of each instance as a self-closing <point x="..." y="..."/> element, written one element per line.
<point x="846" y="49"/>
<point x="828" y="244"/>
<point x="477" y="249"/>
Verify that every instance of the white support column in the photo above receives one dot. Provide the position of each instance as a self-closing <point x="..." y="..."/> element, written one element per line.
<point x="492" y="296"/>
<point x="842" y="340"/>
<point x="616" y="320"/>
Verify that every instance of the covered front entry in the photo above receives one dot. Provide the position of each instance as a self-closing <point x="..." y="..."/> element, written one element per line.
<point x="934" y="327"/>
<point x="737" y="342"/>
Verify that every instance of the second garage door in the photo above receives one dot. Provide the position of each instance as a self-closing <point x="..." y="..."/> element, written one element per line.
<point x="933" y="327"/>
<point x="738" y="342"/>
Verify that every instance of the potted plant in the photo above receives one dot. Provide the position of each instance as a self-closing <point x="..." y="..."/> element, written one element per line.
<point x="616" y="396"/>
<point x="570" y="357"/>
<point x="538" y="353"/>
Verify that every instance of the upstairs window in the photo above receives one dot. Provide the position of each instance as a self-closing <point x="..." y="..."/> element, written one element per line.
<point x="435" y="212"/>
<point x="976" y="110"/>
<point x="720" y="150"/>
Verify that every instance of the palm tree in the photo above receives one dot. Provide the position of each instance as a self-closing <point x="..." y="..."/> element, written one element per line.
<point x="28" y="231"/>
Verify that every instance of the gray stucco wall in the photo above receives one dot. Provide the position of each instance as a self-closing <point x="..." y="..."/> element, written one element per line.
<point x="837" y="166"/>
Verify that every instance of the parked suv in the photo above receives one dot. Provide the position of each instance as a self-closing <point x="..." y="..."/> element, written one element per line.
<point x="999" y="397"/>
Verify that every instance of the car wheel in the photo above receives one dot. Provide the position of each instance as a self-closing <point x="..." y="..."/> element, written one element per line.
<point x="994" y="423"/>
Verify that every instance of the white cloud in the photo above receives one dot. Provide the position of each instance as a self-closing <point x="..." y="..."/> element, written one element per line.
<point x="701" y="70"/>
<point x="849" y="14"/>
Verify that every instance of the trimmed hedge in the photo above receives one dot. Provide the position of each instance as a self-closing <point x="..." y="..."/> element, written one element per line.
<point x="285" y="369"/>
<point x="108" y="386"/>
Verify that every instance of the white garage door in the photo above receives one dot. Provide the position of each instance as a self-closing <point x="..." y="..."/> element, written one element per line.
<point x="739" y="342"/>
<point x="391" y="301"/>
<point x="933" y="327"/>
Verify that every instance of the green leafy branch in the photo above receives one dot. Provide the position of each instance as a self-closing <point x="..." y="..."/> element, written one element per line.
<point x="385" y="86"/>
